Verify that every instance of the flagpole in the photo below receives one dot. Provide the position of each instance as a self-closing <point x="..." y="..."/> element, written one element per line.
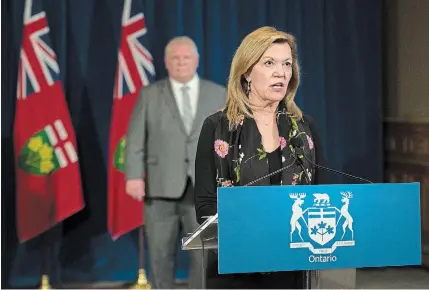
<point x="44" y="283"/>
<point x="142" y="282"/>
<point x="46" y="245"/>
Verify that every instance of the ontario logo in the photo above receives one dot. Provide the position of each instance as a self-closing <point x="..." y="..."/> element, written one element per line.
<point x="48" y="150"/>
<point x="119" y="157"/>
<point x="328" y="227"/>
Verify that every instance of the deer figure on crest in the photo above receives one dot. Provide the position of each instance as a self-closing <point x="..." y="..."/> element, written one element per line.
<point x="297" y="213"/>
<point x="344" y="211"/>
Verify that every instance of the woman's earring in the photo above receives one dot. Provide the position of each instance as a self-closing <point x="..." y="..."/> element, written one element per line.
<point x="248" y="88"/>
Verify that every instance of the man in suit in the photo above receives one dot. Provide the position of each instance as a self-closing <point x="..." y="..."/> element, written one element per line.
<point x="160" y="156"/>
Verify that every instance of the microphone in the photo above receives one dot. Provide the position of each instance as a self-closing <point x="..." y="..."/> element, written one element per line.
<point x="298" y="144"/>
<point x="272" y="173"/>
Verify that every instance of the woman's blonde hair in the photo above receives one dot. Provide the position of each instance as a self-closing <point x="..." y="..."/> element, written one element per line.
<point x="247" y="55"/>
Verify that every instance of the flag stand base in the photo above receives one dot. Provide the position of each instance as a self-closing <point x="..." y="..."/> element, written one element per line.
<point x="141" y="281"/>
<point x="141" y="278"/>
<point x="45" y="282"/>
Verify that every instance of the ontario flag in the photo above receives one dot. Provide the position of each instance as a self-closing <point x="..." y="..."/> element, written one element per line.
<point x="47" y="170"/>
<point x="135" y="69"/>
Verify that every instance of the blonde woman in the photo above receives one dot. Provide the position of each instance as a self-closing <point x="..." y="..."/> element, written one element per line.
<point x="250" y="138"/>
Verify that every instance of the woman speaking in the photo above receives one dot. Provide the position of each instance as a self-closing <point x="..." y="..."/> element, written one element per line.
<point x="250" y="138"/>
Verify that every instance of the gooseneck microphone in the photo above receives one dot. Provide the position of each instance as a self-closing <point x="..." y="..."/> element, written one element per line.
<point x="272" y="173"/>
<point x="298" y="144"/>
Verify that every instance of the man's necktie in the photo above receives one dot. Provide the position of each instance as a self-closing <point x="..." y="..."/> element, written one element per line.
<point x="187" y="109"/>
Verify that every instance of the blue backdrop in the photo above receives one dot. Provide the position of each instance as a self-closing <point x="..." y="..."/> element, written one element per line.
<point x="340" y="53"/>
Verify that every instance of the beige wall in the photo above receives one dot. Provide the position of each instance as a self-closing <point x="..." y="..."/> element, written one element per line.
<point x="406" y="69"/>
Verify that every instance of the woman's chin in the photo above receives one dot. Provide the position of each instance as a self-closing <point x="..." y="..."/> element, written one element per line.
<point x="276" y="96"/>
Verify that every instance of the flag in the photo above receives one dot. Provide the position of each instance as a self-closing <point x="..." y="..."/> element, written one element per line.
<point x="47" y="169"/>
<point x="135" y="69"/>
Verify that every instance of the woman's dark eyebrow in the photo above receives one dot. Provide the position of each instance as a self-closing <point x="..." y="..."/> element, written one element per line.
<point x="270" y="57"/>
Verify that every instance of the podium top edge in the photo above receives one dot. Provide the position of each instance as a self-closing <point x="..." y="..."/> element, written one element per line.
<point x="326" y="185"/>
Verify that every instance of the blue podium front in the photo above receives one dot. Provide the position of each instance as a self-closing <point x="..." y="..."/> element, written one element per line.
<point x="317" y="227"/>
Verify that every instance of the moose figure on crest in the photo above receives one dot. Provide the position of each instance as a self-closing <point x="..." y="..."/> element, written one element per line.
<point x="344" y="212"/>
<point x="297" y="213"/>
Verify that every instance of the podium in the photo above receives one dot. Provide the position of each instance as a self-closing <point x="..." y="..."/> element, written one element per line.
<point x="320" y="229"/>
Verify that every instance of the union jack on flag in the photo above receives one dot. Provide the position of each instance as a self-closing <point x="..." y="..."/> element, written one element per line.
<point x="135" y="63"/>
<point x="38" y="67"/>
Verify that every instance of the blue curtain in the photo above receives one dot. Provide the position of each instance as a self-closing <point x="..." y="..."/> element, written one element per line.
<point x="339" y="45"/>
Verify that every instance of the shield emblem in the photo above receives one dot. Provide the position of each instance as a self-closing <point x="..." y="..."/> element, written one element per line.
<point x="322" y="224"/>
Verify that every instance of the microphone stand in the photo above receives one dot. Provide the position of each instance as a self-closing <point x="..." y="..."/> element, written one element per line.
<point x="299" y="147"/>
<point x="307" y="275"/>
